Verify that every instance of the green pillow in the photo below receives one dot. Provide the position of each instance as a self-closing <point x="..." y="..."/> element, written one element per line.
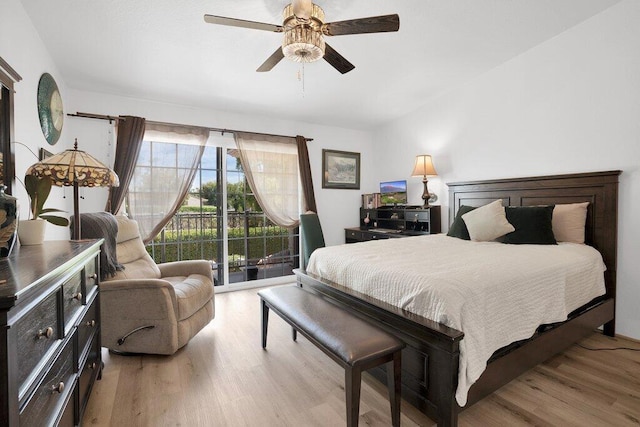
<point x="458" y="227"/>
<point x="532" y="223"/>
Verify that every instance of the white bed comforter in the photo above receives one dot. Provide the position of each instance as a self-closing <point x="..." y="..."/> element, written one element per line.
<point x="495" y="293"/>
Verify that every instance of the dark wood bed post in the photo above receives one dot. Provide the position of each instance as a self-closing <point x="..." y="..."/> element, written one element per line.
<point x="431" y="358"/>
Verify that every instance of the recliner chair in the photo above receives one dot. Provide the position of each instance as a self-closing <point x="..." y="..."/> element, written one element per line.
<point x="153" y="308"/>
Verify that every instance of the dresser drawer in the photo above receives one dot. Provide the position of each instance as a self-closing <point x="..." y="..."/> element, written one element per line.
<point x="87" y="326"/>
<point x="72" y="298"/>
<point x="353" y="235"/>
<point x="37" y="332"/>
<point x="89" y="372"/>
<point x="90" y="277"/>
<point x="68" y="418"/>
<point x="47" y="400"/>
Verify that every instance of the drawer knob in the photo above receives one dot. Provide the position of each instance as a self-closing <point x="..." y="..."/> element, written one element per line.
<point x="59" y="388"/>
<point x="94" y="276"/>
<point x="93" y="366"/>
<point x="91" y="323"/>
<point x="78" y="296"/>
<point x="45" y="333"/>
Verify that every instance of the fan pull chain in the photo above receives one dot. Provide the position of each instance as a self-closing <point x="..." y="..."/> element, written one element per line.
<point x="301" y="78"/>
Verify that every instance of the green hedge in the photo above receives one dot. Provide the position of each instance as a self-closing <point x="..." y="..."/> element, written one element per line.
<point x="198" y="209"/>
<point x="196" y="244"/>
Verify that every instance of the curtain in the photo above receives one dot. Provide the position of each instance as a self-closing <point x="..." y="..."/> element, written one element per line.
<point x="130" y="134"/>
<point x="305" y="175"/>
<point x="163" y="175"/>
<point x="270" y="164"/>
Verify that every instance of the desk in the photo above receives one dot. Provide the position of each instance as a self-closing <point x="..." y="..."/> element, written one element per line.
<point x="357" y="234"/>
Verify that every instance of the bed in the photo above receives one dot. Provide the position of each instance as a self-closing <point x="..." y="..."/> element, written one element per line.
<point x="432" y="358"/>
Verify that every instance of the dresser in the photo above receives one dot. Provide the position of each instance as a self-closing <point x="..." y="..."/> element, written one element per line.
<point x="49" y="332"/>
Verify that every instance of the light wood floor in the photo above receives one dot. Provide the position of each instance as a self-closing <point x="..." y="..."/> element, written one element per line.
<point x="224" y="378"/>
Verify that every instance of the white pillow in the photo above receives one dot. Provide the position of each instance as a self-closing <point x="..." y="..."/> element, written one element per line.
<point x="488" y="222"/>
<point x="569" y="222"/>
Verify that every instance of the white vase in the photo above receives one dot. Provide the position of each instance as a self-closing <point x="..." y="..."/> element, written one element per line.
<point x="31" y="231"/>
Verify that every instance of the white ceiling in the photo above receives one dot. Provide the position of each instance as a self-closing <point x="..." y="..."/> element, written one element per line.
<point x="163" y="50"/>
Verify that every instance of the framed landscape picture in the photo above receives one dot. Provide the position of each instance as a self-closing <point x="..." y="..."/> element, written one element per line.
<point x="340" y="169"/>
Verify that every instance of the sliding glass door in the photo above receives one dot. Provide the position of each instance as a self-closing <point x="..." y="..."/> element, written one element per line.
<point x="221" y="221"/>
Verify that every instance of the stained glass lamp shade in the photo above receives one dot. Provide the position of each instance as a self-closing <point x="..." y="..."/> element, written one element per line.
<point x="75" y="168"/>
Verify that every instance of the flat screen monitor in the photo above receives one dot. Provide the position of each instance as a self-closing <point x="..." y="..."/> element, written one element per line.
<point x="393" y="193"/>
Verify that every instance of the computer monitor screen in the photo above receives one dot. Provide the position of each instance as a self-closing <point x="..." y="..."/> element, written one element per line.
<point x="393" y="193"/>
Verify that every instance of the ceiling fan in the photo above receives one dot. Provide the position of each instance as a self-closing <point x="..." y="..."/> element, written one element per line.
<point x="304" y="31"/>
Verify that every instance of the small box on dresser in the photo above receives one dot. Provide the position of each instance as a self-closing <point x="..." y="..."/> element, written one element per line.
<point x="49" y="332"/>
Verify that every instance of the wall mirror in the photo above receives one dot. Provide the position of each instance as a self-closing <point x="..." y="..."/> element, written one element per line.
<point x="8" y="77"/>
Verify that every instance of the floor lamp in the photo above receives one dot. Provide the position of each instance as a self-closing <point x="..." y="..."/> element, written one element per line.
<point x="75" y="168"/>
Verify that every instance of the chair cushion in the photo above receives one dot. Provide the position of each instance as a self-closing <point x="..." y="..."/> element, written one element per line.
<point x="142" y="268"/>
<point x="132" y="254"/>
<point x="192" y="293"/>
<point x="127" y="229"/>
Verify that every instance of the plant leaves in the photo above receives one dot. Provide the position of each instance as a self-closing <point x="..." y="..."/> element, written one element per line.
<point x="55" y="220"/>
<point x="38" y="190"/>
<point x="47" y="210"/>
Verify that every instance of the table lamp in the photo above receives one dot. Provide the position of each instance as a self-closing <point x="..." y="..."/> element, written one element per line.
<point x="424" y="167"/>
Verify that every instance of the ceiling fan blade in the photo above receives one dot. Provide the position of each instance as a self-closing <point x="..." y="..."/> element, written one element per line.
<point x="271" y="61"/>
<point x="232" y="22"/>
<point x="336" y="60"/>
<point x="374" y="24"/>
<point x="302" y="8"/>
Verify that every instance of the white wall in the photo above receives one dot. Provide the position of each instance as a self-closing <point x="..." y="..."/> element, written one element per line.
<point x="572" y="104"/>
<point x="23" y="49"/>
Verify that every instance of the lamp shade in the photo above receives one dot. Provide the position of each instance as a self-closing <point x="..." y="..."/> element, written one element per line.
<point x="74" y="167"/>
<point x="424" y="166"/>
<point x="78" y="169"/>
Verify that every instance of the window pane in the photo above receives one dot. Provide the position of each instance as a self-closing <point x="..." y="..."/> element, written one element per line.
<point x="164" y="154"/>
<point x="209" y="158"/>
<point x="144" y="158"/>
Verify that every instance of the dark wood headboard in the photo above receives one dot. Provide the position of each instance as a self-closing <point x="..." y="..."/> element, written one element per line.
<point x="600" y="189"/>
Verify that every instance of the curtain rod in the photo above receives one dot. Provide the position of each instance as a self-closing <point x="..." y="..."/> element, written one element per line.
<point x="222" y="131"/>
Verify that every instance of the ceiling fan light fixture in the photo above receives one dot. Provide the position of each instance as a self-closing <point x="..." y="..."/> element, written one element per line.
<point x="303" y="44"/>
<point x="305" y="13"/>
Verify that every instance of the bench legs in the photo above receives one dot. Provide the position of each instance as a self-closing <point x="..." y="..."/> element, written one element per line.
<point x="264" y="310"/>
<point x="394" y="384"/>
<point x="352" y="384"/>
<point x="352" y="379"/>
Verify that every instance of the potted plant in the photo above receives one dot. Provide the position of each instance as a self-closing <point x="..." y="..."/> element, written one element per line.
<point x="31" y="231"/>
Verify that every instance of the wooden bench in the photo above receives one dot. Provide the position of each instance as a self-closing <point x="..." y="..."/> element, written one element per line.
<point x="353" y="343"/>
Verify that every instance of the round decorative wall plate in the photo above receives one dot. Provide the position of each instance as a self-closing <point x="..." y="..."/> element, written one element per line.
<point x="50" y="108"/>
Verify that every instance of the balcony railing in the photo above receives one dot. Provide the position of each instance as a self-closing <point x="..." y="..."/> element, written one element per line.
<point x="257" y="247"/>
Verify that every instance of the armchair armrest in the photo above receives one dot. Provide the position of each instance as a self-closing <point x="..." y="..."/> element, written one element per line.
<point x="129" y="286"/>
<point x="186" y="268"/>
<point x="139" y="315"/>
